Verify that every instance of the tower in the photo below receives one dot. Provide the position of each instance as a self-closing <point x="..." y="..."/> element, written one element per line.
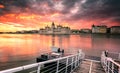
<point x="53" y="27"/>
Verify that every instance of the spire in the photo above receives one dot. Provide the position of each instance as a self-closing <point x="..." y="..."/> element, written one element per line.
<point x="53" y="24"/>
<point x="93" y="25"/>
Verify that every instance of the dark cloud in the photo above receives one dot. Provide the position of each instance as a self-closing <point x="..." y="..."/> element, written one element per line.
<point x="68" y="5"/>
<point x="41" y="6"/>
<point x="82" y="9"/>
<point x="13" y="6"/>
<point x="98" y="9"/>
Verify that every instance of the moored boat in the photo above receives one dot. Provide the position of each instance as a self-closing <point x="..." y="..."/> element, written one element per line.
<point x="56" y="53"/>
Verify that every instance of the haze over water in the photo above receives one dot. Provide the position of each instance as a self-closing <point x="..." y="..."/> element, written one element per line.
<point x="22" y="49"/>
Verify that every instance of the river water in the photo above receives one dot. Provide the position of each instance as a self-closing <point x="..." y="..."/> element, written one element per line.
<point x="22" y="49"/>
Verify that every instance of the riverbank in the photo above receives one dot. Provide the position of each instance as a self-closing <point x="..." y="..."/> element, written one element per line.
<point x="62" y="34"/>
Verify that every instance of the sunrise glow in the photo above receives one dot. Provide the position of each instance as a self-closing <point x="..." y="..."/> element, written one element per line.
<point x="78" y="14"/>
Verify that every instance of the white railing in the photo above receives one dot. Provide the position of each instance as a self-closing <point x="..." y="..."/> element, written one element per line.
<point x="60" y="65"/>
<point x="109" y="64"/>
<point x="114" y="55"/>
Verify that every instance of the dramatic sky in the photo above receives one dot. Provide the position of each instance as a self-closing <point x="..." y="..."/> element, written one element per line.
<point x="34" y="14"/>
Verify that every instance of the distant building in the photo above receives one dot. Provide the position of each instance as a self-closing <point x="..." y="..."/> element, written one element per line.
<point x="55" y="30"/>
<point x="86" y="30"/>
<point x="115" y="30"/>
<point x="41" y="30"/>
<point x="99" y="29"/>
<point x="75" y="31"/>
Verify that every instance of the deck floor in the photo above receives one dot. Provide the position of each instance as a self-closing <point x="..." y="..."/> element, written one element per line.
<point x="89" y="66"/>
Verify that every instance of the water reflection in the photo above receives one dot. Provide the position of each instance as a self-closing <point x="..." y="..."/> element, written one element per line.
<point x="21" y="47"/>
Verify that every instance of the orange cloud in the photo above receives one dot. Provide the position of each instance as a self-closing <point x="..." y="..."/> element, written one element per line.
<point x="12" y="27"/>
<point x="28" y="21"/>
<point x="2" y="6"/>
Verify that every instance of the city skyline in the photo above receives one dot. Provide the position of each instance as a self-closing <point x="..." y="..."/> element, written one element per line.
<point x="18" y="15"/>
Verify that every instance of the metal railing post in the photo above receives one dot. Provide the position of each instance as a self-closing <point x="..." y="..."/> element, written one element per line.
<point x="78" y="59"/>
<point x="108" y="66"/>
<point x="90" y="70"/>
<point x="66" y="65"/>
<point x="119" y="57"/>
<point x="112" y="68"/>
<point x="72" y="63"/>
<point x="119" y="70"/>
<point x="57" y="66"/>
<point x="102" y="58"/>
<point x="38" y="70"/>
<point x="75" y="61"/>
<point x="104" y="62"/>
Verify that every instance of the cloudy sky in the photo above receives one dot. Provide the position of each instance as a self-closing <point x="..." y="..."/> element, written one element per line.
<point x="77" y="14"/>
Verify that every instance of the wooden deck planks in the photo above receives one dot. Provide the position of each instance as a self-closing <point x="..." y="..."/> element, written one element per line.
<point x="85" y="67"/>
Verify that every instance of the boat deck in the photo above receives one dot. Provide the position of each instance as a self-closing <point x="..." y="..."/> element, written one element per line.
<point x="77" y="63"/>
<point x="90" y="66"/>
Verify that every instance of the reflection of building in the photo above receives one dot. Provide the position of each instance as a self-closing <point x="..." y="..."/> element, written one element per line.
<point x="55" y="30"/>
<point x="53" y="40"/>
<point x="61" y="41"/>
<point x="99" y="29"/>
<point x="115" y="30"/>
